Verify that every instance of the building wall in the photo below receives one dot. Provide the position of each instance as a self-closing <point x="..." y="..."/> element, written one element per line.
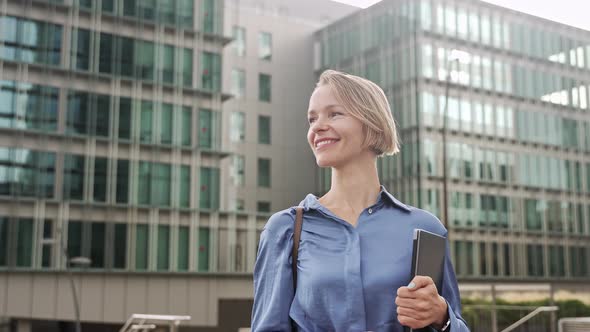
<point x="290" y="26"/>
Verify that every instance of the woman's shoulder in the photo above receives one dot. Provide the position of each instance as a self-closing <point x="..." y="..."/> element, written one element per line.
<point x="281" y="222"/>
<point x="426" y="220"/>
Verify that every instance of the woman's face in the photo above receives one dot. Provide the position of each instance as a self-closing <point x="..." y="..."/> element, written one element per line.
<point x="335" y="136"/>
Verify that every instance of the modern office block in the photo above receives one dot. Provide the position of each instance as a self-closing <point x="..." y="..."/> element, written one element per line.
<point x="515" y="119"/>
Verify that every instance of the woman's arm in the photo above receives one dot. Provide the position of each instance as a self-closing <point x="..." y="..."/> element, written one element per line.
<point x="273" y="281"/>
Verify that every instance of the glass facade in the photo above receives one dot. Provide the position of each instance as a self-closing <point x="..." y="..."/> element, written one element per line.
<point x="131" y="58"/>
<point x="116" y="107"/>
<point x="516" y="128"/>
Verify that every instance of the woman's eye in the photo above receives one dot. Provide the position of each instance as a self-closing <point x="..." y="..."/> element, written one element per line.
<point x="311" y="120"/>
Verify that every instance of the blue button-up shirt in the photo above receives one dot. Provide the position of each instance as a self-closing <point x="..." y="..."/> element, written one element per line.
<point x="347" y="276"/>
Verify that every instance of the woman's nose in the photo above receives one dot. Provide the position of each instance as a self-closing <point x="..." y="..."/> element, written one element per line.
<point x="319" y="125"/>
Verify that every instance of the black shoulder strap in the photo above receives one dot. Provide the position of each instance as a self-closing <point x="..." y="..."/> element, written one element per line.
<point x="296" y="239"/>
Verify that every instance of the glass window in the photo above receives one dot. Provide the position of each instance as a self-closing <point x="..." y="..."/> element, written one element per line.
<point x="74" y="177"/>
<point x="264" y="131"/>
<point x="146" y="122"/>
<point x="4" y="222"/>
<point x="263" y="206"/>
<point x="80" y="49"/>
<point x="122" y="181"/>
<point x="185" y="13"/>
<point x="462" y="24"/>
<point x="24" y="243"/>
<point x="238" y="83"/>
<point x="498" y="34"/>
<point x="426" y="15"/>
<point x="163" y="247"/>
<point x="161" y="183"/>
<point x="474" y="27"/>
<point x="185" y="185"/>
<point x="100" y="179"/>
<point x="28" y="106"/>
<point x="485" y="29"/>
<point x="427" y="66"/>
<point x="124" y="118"/>
<point x="166" y="124"/>
<point x="209" y="16"/>
<point x="556" y="261"/>
<point x="88" y="114"/>
<point x="166" y="63"/>
<point x="211" y="71"/>
<point x="483" y="262"/>
<point x="264" y="87"/>
<point x="183" y="248"/>
<point x="186" y="126"/>
<point x="264" y="172"/>
<point x="238" y="170"/>
<point x="97" y="245"/>
<point x="535" y="260"/>
<point x="238" y="127"/>
<point x="74" y="239"/>
<point x="209" y="188"/>
<point x="144" y="187"/>
<point x="30" y="41"/>
<point x="106" y="57"/>
<point x="141" y="246"/>
<point x="203" y="256"/>
<point x="187" y="67"/>
<point x="264" y="46"/>
<point x="209" y="129"/>
<point x="144" y="60"/>
<point x="450" y="20"/>
<point x="239" y="43"/>
<point x="120" y="246"/>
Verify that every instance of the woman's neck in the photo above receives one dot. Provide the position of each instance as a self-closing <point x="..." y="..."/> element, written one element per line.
<point x="355" y="186"/>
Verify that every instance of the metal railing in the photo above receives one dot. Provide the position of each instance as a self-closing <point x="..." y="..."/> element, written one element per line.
<point x="529" y="316"/>
<point x="144" y="323"/>
<point x="578" y="324"/>
<point x="495" y="318"/>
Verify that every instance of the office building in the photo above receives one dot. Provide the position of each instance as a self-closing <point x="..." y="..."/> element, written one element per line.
<point x="515" y="119"/>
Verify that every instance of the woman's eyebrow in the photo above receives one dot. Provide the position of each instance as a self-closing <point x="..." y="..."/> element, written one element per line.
<point x="312" y="111"/>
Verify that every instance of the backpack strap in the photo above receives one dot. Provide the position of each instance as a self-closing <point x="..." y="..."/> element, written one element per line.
<point x="295" y="252"/>
<point x="296" y="239"/>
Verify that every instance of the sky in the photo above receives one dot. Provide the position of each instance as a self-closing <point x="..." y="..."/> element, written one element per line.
<point x="570" y="12"/>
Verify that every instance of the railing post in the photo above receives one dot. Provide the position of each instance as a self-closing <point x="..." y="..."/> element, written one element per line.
<point x="553" y="315"/>
<point x="494" y="310"/>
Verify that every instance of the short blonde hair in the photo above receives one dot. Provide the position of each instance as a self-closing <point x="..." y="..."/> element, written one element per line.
<point x="367" y="102"/>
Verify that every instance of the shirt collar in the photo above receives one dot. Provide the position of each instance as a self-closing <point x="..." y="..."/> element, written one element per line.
<point x="312" y="202"/>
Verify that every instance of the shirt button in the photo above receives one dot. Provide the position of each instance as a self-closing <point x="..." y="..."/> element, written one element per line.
<point x="370" y="211"/>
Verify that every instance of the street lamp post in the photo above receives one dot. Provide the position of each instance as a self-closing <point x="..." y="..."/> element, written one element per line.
<point x="80" y="261"/>
<point x="456" y="56"/>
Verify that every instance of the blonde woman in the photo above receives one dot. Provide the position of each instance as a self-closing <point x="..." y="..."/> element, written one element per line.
<point x="354" y="257"/>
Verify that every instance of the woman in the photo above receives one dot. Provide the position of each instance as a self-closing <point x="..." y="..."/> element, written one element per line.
<point x="356" y="244"/>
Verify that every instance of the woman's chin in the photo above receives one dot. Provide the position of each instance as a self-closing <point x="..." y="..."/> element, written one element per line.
<point x="325" y="162"/>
